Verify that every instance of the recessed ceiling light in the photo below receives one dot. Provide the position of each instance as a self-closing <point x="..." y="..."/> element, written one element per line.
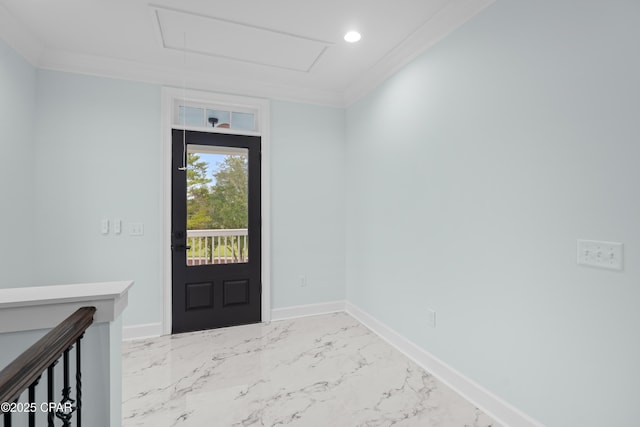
<point x="352" y="36"/>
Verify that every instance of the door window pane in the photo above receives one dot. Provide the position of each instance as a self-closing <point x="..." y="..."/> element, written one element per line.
<point x="217" y="205"/>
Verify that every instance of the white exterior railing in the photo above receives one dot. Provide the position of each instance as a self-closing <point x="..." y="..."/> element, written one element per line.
<point x="217" y="246"/>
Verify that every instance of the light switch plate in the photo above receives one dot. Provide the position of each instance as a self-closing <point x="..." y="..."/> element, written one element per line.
<point x="431" y="315"/>
<point x="600" y="254"/>
<point x="104" y="226"/>
<point x="117" y="226"/>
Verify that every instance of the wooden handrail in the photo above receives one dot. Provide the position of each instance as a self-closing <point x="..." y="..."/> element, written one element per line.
<point x="26" y="368"/>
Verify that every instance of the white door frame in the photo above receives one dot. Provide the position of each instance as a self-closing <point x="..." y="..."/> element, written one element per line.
<point x="169" y="96"/>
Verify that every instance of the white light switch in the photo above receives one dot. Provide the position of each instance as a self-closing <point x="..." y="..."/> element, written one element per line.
<point x="431" y="316"/>
<point x="117" y="226"/>
<point x="600" y="254"/>
<point x="104" y="226"/>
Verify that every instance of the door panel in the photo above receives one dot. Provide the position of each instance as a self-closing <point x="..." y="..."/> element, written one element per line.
<point x="215" y="233"/>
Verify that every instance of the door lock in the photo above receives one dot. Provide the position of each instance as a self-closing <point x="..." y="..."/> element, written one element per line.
<point x="180" y="247"/>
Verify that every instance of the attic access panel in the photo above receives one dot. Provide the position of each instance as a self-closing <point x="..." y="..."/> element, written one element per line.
<point x="221" y="38"/>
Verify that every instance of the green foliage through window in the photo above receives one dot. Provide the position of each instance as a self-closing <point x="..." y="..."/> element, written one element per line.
<point x="223" y="204"/>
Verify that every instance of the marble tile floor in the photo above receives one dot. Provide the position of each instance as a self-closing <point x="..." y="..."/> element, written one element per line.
<point x="326" y="370"/>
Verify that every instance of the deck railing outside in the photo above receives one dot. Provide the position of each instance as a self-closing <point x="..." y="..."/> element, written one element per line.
<point x="217" y="246"/>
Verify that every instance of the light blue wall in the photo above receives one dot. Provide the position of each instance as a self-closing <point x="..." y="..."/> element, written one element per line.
<point x="472" y="172"/>
<point x="17" y="118"/>
<point x="95" y="151"/>
<point x="99" y="155"/>
<point x="308" y="204"/>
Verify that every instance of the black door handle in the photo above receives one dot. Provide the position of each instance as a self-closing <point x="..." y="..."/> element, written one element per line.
<point x="180" y="247"/>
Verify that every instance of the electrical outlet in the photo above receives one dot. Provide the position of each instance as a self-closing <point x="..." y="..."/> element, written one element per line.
<point x="599" y="254"/>
<point x="303" y="281"/>
<point x="136" y="229"/>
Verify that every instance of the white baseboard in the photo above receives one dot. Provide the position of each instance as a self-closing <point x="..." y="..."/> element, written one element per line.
<point x="491" y="404"/>
<point x="136" y="332"/>
<point x="151" y="330"/>
<point x="307" y="310"/>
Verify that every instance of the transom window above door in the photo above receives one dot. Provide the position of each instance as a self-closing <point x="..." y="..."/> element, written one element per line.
<point x="192" y="114"/>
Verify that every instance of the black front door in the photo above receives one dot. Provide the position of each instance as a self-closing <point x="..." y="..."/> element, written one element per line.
<point x="215" y="230"/>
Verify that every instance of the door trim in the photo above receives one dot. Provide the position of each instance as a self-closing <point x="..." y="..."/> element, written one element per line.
<point x="169" y="95"/>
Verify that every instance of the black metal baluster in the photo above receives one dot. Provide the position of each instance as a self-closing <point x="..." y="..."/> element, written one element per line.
<point x="32" y="402"/>
<point x="7" y="419"/>
<point x="63" y="413"/>
<point x="25" y="373"/>
<point x="50" y="413"/>
<point x="78" y="384"/>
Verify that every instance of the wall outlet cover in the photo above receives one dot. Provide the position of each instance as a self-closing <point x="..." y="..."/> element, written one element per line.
<point x="136" y="229"/>
<point x="600" y="254"/>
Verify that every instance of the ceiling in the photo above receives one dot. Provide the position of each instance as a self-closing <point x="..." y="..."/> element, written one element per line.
<point x="284" y="49"/>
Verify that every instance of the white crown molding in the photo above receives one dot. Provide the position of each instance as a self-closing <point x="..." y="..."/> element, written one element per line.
<point x="59" y="60"/>
<point x="453" y="15"/>
<point x="19" y="38"/>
